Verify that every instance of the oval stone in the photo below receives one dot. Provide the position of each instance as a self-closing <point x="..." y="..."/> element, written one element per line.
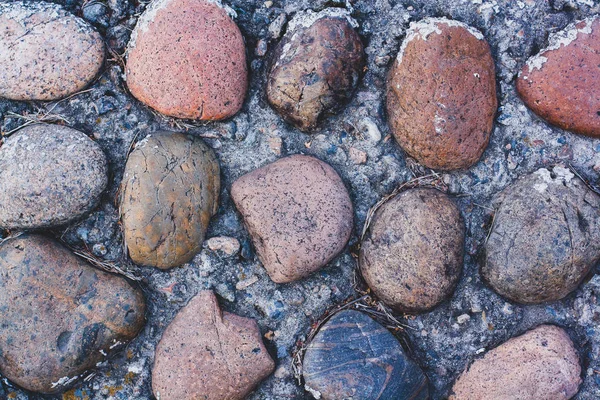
<point x="187" y="59"/>
<point x="560" y="83"/>
<point x="47" y="53"/>
<point x="62" y="316"/>
<point x="49" y="175"/>
<point x="412" y="254"/>
<point x="540" y="364"/>
<point x="354" y="357"/>
<point x="208" y="354"/>
<point x="170" y="190"/>
<point x="316" y="66"/>
<point x="441" y="96"/>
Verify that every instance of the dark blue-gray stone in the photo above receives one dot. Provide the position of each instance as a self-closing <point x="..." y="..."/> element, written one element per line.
<point x="354" y="357"/>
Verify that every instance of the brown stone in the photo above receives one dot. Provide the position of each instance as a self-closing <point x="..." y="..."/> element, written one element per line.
<point x="412" y="254"/>
<point x="441" y="97"/>
<point x="560" y="83"/>
<point x="206" y="354"/>
<point x="169" y="193"/>
<point x="61" y="316"/>
<point x="298" y="213"/>
<point x="316" y="66"/>
<point x="187" y="59"/>
<point x="47" y="53"/>
<point x="541" y="364"/>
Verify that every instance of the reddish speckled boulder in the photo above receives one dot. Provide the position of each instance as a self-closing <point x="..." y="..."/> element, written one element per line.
<point x="298" y="213"/>
<point x="206" y="354"/>
<point x="560" y="83"/>
<point x="542" y="364"/>
<point x="187" y="59"/>
<point x="441" y="97"/>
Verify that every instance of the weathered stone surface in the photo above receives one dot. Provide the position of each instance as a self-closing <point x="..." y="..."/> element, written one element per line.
<point x="354" y="357"/>
<point x="412" y="254"/>
<point x="187" y="59"/>
<point x="316" y="66"/>
<point x="560" y="83"/>
<point x="170" y="190"/>
<point x="206" y="354"/>
<point x="298" y="213"/>
<point x="441" y="97"/>
<point x="49" y="175"/>
<point x="542" y="364"/>
<point x="60" y="315"/>
<point x="545" y="237"/>
<point x="47" y="53"/>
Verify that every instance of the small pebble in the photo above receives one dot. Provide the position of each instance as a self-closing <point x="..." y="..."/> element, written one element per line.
<point x="357" y="156"/>
<point x="246" y="283"/>
<point x="225" y="244"/>
<point x="275" y="145"/>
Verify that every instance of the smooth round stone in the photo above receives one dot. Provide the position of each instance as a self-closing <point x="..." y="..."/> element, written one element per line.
<point x="354" y="357"/>
<point x="545" y="237"/>
<point x="208" y="354"/>
<point x="47" y="53"/>
<point x="61" y="315"/>
<point x="540" y="364"/>
<point x="316" y="66"/>
<point x="441" y="95"/>
<point x="560" y="83"/>
<point x="49" y="175"/>
<point x="169" y="193"/>
<point x="298" y="213"/>
<point x="412" y="254"/>
<point x="187" y="59"/>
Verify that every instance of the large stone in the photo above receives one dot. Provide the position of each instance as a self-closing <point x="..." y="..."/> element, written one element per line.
<point x="542" y="364"/>
<point x="441" y="97"/>
<point x="47" y="53"/>
<point x="412" y="254"/>
<point x="545" y="237"/>
<point x="49" y="175"/>
<point x="560" y="83"/>
<point x="298" y="213"/>
<point x="354" y="357"/>
<point x="206" y="354"/>
<point x="187" y="59"/>
<point x="170" y="190"/>
<point x="60" y="315"/>
<point x="316" y="66"/>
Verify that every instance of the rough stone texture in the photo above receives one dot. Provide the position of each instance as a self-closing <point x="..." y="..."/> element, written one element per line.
<point x="441" y="98"/>
<point x="49" y="175"/>
<point x="412" y="254"/>
<point x="298" y="213"/>
<point x="47" y="52"/>
<point x="354" y="357"/>
<point x="560" y="83"/>
<point x="206" y="354"/>
<point x="315" y="67"/>
<point x="170" y="191"/>
<point x="545" y="238"/>
<point x="61" y="316"/>
<point x="541" y="364"/>
<point x="187" y="59"/>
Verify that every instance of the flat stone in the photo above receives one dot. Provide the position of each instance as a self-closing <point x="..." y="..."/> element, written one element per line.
<point x="62" y="316"/>
<point x="169" y="193"/>
<point x="354" y="357"/>
<point x="441" y="97"/>
<point x="316" y="66"/>
<point x="298" y="213"/>
<point x="47" y="52"/>
<point x="528" y="267"/>
<point x="187" y="59"/>
<point x="208" y="354"/>
<point x="560" y="83"/>
<point x="49" y="175"/>
<point x="227" y="245"/>
<point x="412" y="254"/>
<point x="540" y="364"/>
